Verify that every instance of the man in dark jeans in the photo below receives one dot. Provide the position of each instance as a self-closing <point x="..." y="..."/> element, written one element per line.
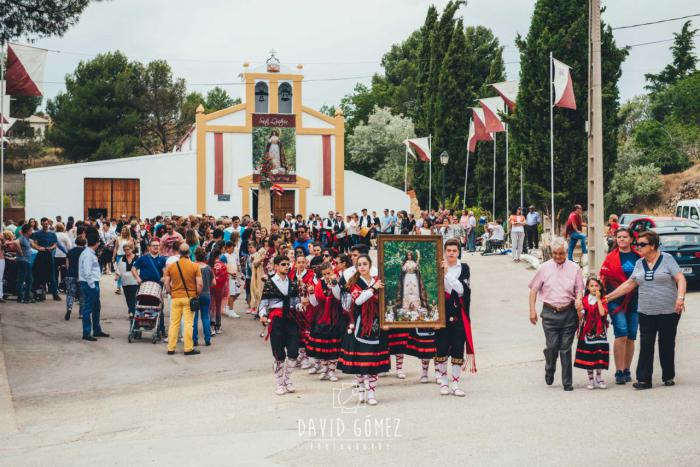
<point x="89" y="275"/>
<point x="149" y="268"/>
<point x="532" y="222"/>
<point x="46" y="242"/>
<point x="24" y="270"/>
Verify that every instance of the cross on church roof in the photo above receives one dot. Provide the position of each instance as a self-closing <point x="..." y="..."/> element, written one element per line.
<point x="273" y="63"/>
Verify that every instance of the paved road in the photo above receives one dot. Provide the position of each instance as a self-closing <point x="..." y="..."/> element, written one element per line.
<point x="113" y="403"/>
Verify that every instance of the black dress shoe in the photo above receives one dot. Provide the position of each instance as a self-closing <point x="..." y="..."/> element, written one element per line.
<point x="102" y="334"/>
<point x="641" y="385"/>
<point x="669" y="382"/>
<point x="56" y="298"/>
<point x="549" y="379"/>
<point x="568" y="387"/>
<point x="193" y="352"/>
<point x="89" y="338"/>
<point x="67" y="316"/>
<point x="171" y="352"/>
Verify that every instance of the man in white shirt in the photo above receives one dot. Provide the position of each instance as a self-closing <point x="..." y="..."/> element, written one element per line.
<point x="452" y="340"/>
<point x="278" y="309"/>
<point x="471" y="232"/>
<point x="89" y="275"/>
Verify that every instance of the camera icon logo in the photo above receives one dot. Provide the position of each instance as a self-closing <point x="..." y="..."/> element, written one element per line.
<point x="347" y="398"/>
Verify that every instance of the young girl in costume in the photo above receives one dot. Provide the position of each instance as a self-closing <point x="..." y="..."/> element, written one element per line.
<point x="593" y="350"/>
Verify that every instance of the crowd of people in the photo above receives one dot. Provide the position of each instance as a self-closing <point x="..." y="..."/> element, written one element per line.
<point x="312" y="283"/>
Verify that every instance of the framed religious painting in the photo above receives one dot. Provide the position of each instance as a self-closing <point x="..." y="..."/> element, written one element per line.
<point x="414" y="292"/>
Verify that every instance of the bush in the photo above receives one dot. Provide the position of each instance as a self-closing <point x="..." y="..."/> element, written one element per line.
<point x="638" y="184"/>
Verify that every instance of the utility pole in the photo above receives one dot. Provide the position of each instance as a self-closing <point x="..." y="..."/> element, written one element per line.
<point x="596" y="209"/>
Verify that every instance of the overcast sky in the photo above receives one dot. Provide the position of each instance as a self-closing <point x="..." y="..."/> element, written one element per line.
<point x="207" y="41"/>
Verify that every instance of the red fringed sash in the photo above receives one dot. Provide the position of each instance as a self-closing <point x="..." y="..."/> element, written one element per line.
<point x="612" y="276"/>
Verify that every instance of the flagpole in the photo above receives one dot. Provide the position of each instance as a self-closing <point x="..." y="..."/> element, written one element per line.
<point x="466" y="177"/>
<point x="405" y="172"/>
<point x="507" y="178"/>
<point x="430" y="180"/>
<point x="551" y="136"/>
<point x="493" y="207"/>
<point x="522" y="203"/>
<point x="3" y="87"/>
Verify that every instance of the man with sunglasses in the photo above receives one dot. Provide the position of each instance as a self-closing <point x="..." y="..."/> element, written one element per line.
<point x="302" y="239"/>
<point x="279" y="310"/>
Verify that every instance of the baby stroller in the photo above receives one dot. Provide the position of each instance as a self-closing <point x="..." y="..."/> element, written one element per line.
<point x="149" y="310"/>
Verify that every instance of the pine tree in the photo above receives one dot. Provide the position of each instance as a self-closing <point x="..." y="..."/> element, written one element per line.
<point x="684" y="61"/>
<point x="451" y="117"/>
<point x="561" y="26"/>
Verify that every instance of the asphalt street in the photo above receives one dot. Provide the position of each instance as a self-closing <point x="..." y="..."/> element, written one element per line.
<point x="67" y="402"/>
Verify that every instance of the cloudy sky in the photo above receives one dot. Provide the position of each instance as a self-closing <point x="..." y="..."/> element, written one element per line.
<point x="207" y="41"/>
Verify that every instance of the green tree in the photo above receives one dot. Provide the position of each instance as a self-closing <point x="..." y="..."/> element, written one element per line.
<point x="327" y="110"/>
<point x="38" y="17"/>
<point x="188" y="110"/>
<point x="158" y="100"/>
<point x="451" y="116"/>
<point x="218" y="98"/>
<point x="684" y="60"/>
<point x="24" y="106"/>
<point x="376" y="150"/>
<point x="561" y="27"/>
<point x="658" y="146"/>
<point x="95" y="118"/>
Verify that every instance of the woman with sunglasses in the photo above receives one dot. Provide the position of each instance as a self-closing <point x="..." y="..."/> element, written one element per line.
<point x="616" y="269"/>
<point x="661" y="286"/>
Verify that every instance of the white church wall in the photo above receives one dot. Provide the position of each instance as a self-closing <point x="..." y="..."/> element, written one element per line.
<point x="239" y="148"/>
<point x="236" y="118"/>
<point x="166" y="184"/>
<point x="363" y="192"/>
<point x="309" y="121"/>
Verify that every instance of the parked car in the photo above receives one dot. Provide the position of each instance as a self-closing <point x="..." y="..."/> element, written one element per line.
<point x="626" y="218"/>
<point x="684" y="245"/>
<point x="642" y="224"/>
<point x="688" y="209"/>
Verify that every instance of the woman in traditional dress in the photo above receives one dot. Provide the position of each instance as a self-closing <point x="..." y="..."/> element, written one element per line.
<point x="328" y="324"/>
<point x="364" y="350"/>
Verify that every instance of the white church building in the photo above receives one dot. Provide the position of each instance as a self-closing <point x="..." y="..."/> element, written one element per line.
<point x="215" y="167"/>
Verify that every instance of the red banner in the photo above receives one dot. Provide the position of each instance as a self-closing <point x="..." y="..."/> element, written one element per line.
<point x="275" y="120"/>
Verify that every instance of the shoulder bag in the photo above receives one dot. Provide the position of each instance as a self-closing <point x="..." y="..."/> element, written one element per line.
<point x="194" y="301"/>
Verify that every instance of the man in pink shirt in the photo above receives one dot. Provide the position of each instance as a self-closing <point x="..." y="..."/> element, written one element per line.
<point x="168" y="239"/>
<point x="559" y="284"/>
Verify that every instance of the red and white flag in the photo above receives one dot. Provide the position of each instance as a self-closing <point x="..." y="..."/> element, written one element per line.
<point x="477" y="129"/>
<point x="563" y="86"/>
<point x="508" y="90"/>
<point x="25" y="70"/>
<point x="277" y="189"/>
<point x="419" y="147"/>
<point x="493" y="106"/>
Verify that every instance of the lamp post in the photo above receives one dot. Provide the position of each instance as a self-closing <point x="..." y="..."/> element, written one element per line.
<point x="444" y="158"/>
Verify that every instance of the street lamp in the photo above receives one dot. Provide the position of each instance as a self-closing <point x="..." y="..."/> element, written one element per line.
<point x="444" y="158"/>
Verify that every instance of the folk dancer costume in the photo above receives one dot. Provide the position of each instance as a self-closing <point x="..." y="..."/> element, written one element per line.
<point x="421" y="344"/>
<point x="281" y="304"/>
<point x="593" y="350"/>
<point x="304" y="281"/>
<point x="457" y="334"/>
<point x="328" y="326"/>
<point x="365" y="350"/>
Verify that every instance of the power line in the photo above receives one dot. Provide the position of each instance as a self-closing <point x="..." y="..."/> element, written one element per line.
<point x="655" y="22"/>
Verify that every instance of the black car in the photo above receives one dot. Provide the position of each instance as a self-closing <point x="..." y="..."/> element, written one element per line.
<point x="684" y="245"/>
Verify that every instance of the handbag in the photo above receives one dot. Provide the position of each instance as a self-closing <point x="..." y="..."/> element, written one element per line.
<point x="194" y="301"/>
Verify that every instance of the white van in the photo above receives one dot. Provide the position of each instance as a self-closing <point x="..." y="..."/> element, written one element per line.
<point x="689" y="209"/>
